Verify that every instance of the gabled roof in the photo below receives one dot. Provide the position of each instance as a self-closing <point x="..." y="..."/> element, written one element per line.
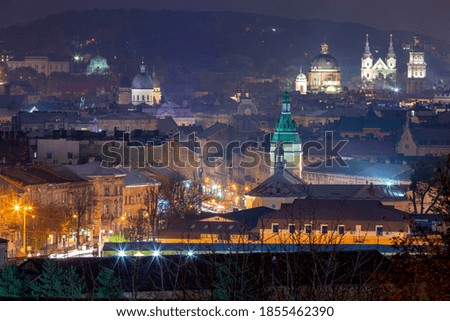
<point x="93" y="169"/>
<point x="213" y="130"/>
<point x="8" y="184"/>
<point x="123" y="116"/>
<point x="38" y="174"/>
<point x="356" y="124"/>
<point x="366" y="169"/>
<point x="41" y="117"/>
<point x="240" y="222"/>
<point x="167" y="126"/>
<point x="431" y="136"/>
<point x="379" y="62"/>
<point x="350" y="212"/>
<point x="358" y="192"/>
<point x="280" y="184"/>
<point x="136" y="178"/>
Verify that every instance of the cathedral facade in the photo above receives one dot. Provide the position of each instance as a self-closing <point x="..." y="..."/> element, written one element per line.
<point x="324" y="74"/>
<point x="379" y="70"/>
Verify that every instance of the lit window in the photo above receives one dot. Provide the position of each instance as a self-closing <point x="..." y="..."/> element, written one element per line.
<point x="292" y="228"/>
<point x="308" y="228"/>
<point x="275" y="228"/>
<point x="379" y="230"/>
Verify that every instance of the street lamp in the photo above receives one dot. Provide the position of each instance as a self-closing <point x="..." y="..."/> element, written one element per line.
<point x="17" y="208"/>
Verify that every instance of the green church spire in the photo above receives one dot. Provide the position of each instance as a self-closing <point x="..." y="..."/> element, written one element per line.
<point x="286" y="135"/>
<point x="286" y="130"/>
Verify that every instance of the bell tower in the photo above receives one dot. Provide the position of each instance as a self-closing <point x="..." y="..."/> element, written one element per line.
<point x="287" y="135"/>
<point x="366" y="61"/>
<point x="417" y="68"/>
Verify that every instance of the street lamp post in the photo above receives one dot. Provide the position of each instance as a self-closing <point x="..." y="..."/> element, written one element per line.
<point x="25" y="209"/>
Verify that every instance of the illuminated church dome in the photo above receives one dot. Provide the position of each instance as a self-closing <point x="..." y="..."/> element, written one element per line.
<point x="324" y="60"/>
<point x="142" y="88"/>
<point x="142" y="80"/>
<point x="324" y="74"/>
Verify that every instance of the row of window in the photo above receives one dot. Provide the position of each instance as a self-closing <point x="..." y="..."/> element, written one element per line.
<point x="133" y="199"/>
<point x="38" y="67"/>
<point x="70" y="155"/>
<point x="106" y="191"/>
<point x="324" y="229"/>
<point x="136" y="98"/>
<point x="207" y="226"/>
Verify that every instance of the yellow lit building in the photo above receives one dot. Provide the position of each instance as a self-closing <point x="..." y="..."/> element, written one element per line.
<point x="324" y="74"/>
<point x="42" y="64"/>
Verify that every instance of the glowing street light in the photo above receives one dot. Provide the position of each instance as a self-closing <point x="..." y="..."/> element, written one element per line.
<point x="17" y="208"/>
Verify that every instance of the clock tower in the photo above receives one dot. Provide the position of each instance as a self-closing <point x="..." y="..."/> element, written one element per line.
<point x="417" y="68"/>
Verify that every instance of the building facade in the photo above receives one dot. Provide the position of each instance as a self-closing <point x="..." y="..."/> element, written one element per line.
<point x="380" y="69"/>
<point x="417" y="68"/>
<point x="42" y="64"/>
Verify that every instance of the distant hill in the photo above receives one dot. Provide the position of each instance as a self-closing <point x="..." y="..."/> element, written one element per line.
<point x="193" y="41"/>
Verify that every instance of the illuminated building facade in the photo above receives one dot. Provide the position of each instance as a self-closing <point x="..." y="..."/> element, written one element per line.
<point x="417" y="68"/>
<point x="42" y="64"/>
<point x="97" y="66"/>
<point x="381" y="69"/>
<point x="301" y="83"/>
<point x="324" y="74"/>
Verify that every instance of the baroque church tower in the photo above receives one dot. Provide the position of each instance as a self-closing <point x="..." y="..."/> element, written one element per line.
<point x="301" y="83"/>
<point x="286" y="134"/>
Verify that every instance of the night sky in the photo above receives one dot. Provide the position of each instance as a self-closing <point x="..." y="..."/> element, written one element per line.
<point x="429" y="17"/>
